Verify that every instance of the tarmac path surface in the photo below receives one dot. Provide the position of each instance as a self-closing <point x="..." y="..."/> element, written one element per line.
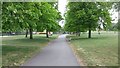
<point x="57" y="53"/>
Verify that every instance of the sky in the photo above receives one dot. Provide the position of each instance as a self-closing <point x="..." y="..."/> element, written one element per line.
<point x="114" y="16"/>
<point x="62" y="8"/>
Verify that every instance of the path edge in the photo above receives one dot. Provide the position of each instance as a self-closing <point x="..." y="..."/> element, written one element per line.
<point x="79" y="60"/>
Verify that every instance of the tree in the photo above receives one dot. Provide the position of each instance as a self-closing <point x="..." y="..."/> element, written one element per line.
<point x="29" y="16"/>
<point x="49" y="18"/>
<point x="83" y="16"/>
<point x="0" y="17"/>
<point x="20" y="15"/>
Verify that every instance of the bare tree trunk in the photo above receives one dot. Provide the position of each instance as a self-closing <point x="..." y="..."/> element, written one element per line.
<point x="31" y="33"/>
<point x="76" y="33"/>
<point x="79" y="33"/>
<point x="47" y="34"/>
<point x="89" y="34"/>
<point x="26" y="33"/>
<point x="98" y="31"/>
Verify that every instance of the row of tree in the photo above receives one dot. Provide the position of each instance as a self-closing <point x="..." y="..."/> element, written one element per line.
<point x="87" y="16"/>
<point x="30" y="16"/>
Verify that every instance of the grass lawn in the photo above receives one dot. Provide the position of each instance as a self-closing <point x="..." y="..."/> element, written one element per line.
<point x="17" y="49"/>
<point x="0" y="55"/>
<point x="100" y="50"/>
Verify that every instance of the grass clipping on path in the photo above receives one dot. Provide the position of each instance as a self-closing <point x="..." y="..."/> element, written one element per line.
<point x="17" y="49"/>
<point x="100" y="50"/>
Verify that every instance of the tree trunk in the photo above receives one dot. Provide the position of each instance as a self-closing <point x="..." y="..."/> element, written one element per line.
<point x="89" y="35"/>
<point x="47" y="34"/>
<point x="26" y="33"/>
<point x="98" y="31"/>
<point x="79" y="33"/>
<point x="76" y="33"/>
<point x="31" y="33"/>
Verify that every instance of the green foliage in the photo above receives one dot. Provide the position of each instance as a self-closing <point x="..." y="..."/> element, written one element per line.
<point x="38" y="16"/>
<point x="49" y="17"/>
<point x="0" y="16"/>
<point x="83" y="16"/>
<point x="114" y="27"/>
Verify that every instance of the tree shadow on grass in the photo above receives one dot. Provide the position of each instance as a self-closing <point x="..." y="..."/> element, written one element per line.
<point x="9" y="48"/>
<point x="16" y="54"/>
<point x="38" y="40"/>
<point x="26" y="41"/>
<point x="35" y="40"/>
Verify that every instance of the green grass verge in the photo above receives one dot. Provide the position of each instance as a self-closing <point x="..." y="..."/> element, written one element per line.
<point x="17" y="49"/>
<point x="100" y="50"/>
<point x="0" y="56"/>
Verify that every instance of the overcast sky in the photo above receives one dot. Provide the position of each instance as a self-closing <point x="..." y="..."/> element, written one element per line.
<point x="62" y="6"/>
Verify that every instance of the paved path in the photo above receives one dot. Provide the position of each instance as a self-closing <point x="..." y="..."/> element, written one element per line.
<point x="57" y="53"/>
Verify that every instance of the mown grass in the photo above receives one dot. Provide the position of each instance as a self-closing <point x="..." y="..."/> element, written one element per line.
<point x="17" y="49"/>
<point x="100" y="50"/>
<point x="0" y="55"/>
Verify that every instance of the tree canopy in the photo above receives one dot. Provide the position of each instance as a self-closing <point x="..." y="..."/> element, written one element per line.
<point x="29" y="16"/>
<point x="84" y="16"/>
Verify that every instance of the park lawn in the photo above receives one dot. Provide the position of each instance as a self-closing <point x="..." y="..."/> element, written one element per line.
<point x="17" y="49"/>
<point x="100" y="50"/>
<point x="0" y="56"/>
